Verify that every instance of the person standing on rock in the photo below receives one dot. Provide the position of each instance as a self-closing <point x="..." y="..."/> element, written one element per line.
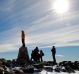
<point x="53" y="54"/>
<point x="41" y="55"/>
<point x="23" y="38"/>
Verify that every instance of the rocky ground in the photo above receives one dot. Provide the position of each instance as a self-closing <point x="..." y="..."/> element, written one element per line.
<point x="64" y="67"/>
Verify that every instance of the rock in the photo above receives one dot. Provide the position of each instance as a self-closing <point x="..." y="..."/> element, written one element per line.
<point x="48" y="68"/>
<point x="28" y="70"/>
<point x="23" y="57"/>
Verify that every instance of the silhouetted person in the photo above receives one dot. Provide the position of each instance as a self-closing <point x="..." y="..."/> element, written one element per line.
<point x="41" y="55"/>
<point x="23" y="38"/>
<point x="36" y="52"/>
<point x="35" y="55"/>
<point x="53" y="54"/>
<point x="32" y="55"/>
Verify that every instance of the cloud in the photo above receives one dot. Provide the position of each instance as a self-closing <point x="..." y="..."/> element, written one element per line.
<point x="61" y="56"/>
<point x="7" y="47"/>
<point x="7" y="5"/>
<point x="61" y="37"/>
<point x="42" y="27"/>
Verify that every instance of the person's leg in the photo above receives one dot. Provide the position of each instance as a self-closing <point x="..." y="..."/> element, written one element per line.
<point x="41" y="59"/>
<point x="54" y="59"/>
<point x="23" y="43"/>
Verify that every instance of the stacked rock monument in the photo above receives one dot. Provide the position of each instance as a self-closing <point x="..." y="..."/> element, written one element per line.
<point x="23" y="57"/>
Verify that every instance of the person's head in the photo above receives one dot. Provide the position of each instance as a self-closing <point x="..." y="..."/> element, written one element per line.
<point x="22" y="31"/>
<point x="53" y="46"/>
<point x="40" y="50"/>
<point x="37" y="49"/>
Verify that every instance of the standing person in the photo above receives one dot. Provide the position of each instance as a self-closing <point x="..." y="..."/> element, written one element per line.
<point x="41" y="55"/>
<point x="23" y="38"/>
<point x="32" y="55"/>
<point x="53" y="54"/>
<point x="36" y="55"/>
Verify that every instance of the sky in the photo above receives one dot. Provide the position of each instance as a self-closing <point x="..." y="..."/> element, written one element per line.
<point x="43" y="28"/>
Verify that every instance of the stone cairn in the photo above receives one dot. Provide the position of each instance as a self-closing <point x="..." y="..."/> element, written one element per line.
<point x="23" y="57"/>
